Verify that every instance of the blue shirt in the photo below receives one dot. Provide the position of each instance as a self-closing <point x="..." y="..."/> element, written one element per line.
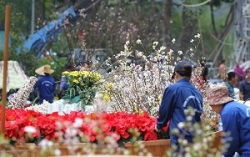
<point x="45" y="85"/>
<point x="176" y="98"/>
<point x="63" y="84"/>
<point x="245" y="89"/>
<point x="230" y="88"/>
<point x="236" y="120"/>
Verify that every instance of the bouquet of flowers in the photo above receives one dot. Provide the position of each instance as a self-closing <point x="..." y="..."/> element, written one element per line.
<point x="82" y="86"/>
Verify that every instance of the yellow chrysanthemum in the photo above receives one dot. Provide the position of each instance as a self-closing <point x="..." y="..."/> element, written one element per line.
<point x="109" y="86"/>
<point x="106" y="97"/>
<point x="84" y="73"/>
<point x="76" y="81"/>
<point x="74" y="73"/>
<point x="65" y="73"/>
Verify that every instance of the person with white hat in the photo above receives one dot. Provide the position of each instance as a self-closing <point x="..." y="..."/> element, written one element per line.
<point x="45" y="84"/>
<point x="235" y="120"/>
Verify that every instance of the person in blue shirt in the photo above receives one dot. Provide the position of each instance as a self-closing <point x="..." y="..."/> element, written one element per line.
<point x="45" y="85"/>
<point x="245" y="87"/>
<point x="176" y="99"/>
<point x="231" y="80"/>
<point x="63" y="82"/>
<point x="235" y="120"/>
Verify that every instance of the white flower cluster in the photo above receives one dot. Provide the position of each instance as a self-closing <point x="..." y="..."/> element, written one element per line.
<point x="139" y="87"/>
<point x="23" y="94"/>
<point x="42" y="108"/>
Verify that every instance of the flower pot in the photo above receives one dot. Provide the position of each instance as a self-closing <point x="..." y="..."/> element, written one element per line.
<point x="100" y="156"/>
<point x="158" y="148"/>
<point x="66" y="149"/>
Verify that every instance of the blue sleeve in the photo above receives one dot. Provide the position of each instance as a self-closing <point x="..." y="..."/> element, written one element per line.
<point x="54" y="87"/>
<point x="166" y="108"/>
<point x="230" y="125"/>
<point x="37" y="84"/>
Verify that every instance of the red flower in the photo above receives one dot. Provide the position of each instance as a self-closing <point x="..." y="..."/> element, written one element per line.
<point x="118" y="124"/>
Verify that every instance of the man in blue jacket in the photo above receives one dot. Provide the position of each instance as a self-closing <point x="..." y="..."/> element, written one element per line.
<point x="235" y="120"/>
<point x="177" y="98"/>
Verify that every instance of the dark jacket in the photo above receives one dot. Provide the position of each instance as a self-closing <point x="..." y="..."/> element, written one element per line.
<point x="45" y="85"/>
<point x="176" y="99"/>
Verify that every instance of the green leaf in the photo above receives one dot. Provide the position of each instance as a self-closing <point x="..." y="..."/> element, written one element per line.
<point x="76" y="99"/>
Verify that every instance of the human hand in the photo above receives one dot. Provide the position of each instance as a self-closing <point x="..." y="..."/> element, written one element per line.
<point x="156" y="129"/>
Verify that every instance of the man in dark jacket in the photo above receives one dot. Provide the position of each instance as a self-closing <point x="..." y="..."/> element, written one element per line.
<point x="177" y="98"/>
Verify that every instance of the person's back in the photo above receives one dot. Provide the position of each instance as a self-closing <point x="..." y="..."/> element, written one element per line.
<point x="185" y="95"/>
<point x="46" y="88"/>
<point x="236" y="120"/>
<point x="177" y="98"/>
<point x="45" y="84"/>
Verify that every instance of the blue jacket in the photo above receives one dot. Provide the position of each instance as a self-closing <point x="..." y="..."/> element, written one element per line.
<point x="230" y="88"/>
<point x="176" y="98"/>
<point x="236" y="120"/>
<point x="45" y="85"/>
<point x="63" y="84"/>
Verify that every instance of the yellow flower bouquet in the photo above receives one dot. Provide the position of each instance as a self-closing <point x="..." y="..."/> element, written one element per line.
<point x="82" y="86"/>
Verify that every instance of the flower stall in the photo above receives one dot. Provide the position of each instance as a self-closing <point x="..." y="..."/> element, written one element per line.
<point x="133" y="94"/>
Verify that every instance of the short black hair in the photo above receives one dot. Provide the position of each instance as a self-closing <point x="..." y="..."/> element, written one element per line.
<point x="183" y="68"/>
<point x="231" y="75"/>
<point x="85" y="62"/>
<point x="248" y="70"/>
<point x="187" y="71"/>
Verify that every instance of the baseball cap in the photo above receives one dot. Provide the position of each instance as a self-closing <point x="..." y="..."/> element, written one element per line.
<point x="184" y="68"/>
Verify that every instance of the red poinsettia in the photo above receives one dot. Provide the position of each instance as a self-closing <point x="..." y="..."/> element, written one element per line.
<point x="118" y="123"/>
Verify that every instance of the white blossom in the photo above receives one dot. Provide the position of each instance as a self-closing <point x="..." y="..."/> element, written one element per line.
<point x="180" y="52"/>
<point x="138" y="41"/>
<point x="197" y="35"/>
<point x="78" y="123"/>
<point x="155" y="43"/>
<point x="173" y="40"/>
<point x="30" y="129"/>
<point x="181" y="125"/>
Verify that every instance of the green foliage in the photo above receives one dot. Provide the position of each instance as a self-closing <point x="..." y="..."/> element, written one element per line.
<point x="218" y="2"/>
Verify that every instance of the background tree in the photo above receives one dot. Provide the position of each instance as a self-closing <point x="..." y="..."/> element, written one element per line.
<point x="112" y="22"/>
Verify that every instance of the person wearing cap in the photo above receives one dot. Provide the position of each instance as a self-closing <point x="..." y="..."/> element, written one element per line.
<point x="45" y="84"/>
<point x="235" y="120"/>
<point x="177" y="98"/>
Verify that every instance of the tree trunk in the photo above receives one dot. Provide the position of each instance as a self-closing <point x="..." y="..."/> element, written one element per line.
<point x="189" y="22"/>
<point x="219" y="47"/>
<point x="40" y="7"/>
<point x="167" y="22"/>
